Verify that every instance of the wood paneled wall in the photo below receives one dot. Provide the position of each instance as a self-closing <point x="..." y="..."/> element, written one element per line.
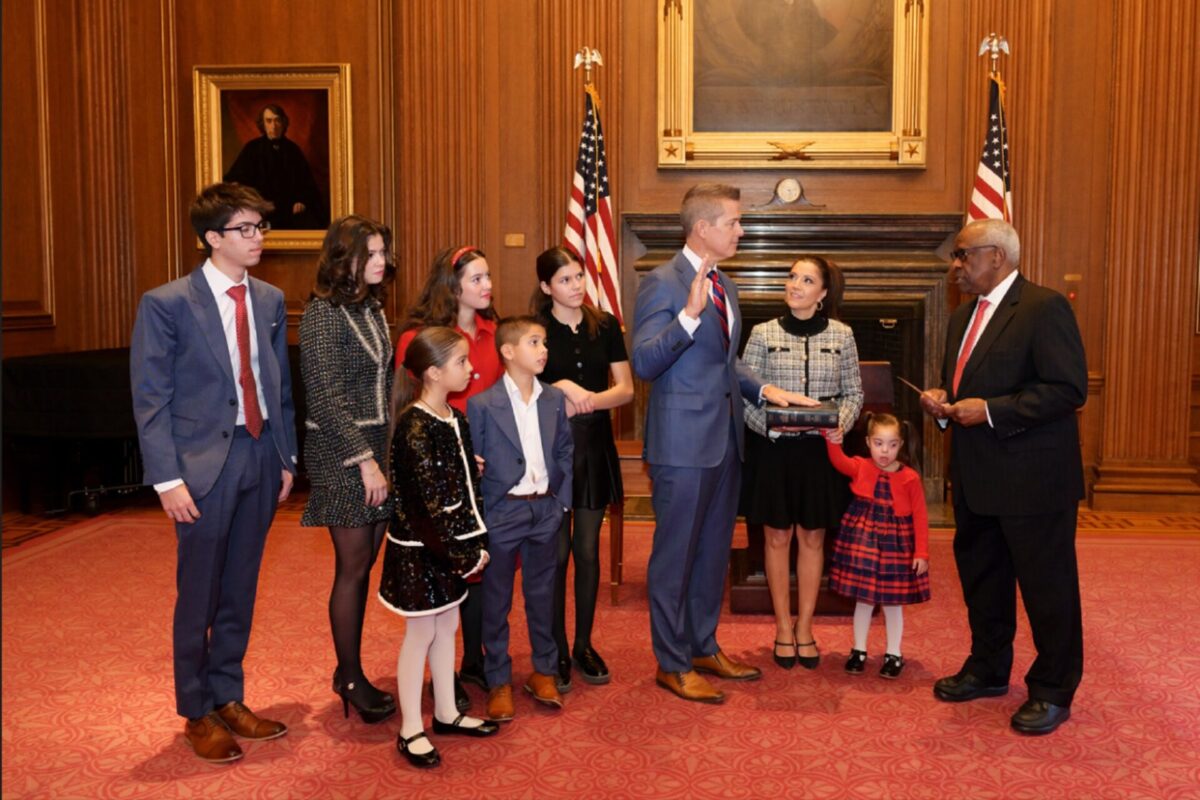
<point x="465" y="122"/>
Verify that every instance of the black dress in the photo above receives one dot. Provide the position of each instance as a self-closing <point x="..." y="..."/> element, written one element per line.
<point x="437" y="533"/>
<point x="576" y="357"/>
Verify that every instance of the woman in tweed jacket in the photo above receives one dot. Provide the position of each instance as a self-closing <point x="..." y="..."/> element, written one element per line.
<point x="346" y="362"/>
<point x="788" y="482"/>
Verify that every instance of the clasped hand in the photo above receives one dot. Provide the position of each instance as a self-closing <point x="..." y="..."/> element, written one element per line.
<point x="966" y="412"/>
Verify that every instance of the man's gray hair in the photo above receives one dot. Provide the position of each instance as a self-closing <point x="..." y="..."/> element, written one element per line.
<point x="1001" y="234"/>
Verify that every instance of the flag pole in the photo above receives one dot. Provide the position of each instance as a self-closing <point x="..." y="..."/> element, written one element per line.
<point x="992" y="46"/>
<point x="589" y="58"/>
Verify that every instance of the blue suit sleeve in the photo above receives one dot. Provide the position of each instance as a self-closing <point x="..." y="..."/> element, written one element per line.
<point x="564" y="454"/>
<point x="658" y="338"/>
<point x="152" y="377"/>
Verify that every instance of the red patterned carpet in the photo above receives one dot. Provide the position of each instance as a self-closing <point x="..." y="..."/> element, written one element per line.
<point x="88" y="702"/>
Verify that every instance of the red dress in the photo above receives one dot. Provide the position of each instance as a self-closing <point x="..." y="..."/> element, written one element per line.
<point x="486" y="368"/>
<point x="883" y="530"/>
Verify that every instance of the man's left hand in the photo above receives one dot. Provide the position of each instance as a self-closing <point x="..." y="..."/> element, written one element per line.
<point x="778" y="397"/>
<point x="969" y="411"/>
<point x="286" y="488"/>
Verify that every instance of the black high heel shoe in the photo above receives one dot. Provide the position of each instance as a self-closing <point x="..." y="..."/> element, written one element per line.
<point x="485" y="728"/>
<point x="808" y="662"/>
<point x="787" y="662"/>
<point x="420" y="760"/>
<point x="372" y="709"/>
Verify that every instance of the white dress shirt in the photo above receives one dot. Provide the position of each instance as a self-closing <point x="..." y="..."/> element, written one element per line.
<point x="536" y="479"/>
<point x="690" y="325"/>
<point x="993" y="298"/>
<point x="220" y="283"/>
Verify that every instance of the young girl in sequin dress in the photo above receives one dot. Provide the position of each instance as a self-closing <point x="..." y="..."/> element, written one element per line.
<point x="881" y="554"/>
<point x="437" y="539"/>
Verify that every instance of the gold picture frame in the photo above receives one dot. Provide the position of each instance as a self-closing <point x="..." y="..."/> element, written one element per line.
<point x="309" y="176"/>
<point x="750" y="65"/>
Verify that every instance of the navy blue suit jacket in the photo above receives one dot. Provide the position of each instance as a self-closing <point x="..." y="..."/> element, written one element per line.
<point x="184" y="396"/>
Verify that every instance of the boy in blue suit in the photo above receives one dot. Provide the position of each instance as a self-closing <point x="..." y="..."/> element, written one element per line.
<point x="212" y="396"/>
<point x="519" y="427"/>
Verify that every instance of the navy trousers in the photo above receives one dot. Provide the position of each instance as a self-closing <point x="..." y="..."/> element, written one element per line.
<point x="694" y="510"/>
<point x="528" y="528"/>
<point x="217" y="575"/>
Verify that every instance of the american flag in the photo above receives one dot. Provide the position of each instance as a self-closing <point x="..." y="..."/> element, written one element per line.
<point x="992" y="195"/>
<point x="589" y="229"/>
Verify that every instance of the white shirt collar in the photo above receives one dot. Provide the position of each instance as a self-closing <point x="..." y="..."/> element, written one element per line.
<point x="694" y="259"/>
<point x="1000" y="289"/>
<point x="218" y="281"/>
<point x="514" y="391"/>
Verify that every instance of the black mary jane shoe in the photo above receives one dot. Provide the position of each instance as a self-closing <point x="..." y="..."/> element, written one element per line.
<point x="857" y="662"/>
<point x="462" y="700"/>
<point x="456" y="728"/>
<point x="592" y="668"/>
<point x="787" y="662"/>
<point x="808" y="662"/>
<point x="1039" y="717"/>
<point x="562" y="678"/>
<point x="892" y="666"/>
<point x="419" y="760"/>
<point x="371" y="704"/>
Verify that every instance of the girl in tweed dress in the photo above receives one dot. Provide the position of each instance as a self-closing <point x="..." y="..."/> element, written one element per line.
<point x="787" y="481"/>
<point x="881" y="555"/>
<point x="346" y="359"/>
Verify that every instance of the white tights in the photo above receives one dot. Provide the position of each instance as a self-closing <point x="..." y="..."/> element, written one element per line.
<point x="893" y="620"/>
<point x="432" y="635"/>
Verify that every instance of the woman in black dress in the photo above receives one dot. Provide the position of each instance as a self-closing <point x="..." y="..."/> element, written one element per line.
<point x="588" y="361"/>
<point x="346" y="363"/>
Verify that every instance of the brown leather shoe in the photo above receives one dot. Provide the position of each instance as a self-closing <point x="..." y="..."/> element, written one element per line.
<point x="247" y="724"/>
<point x="689" y="685"/>
<point x="211" y="740"/>
<point x="725" y="667"/>
<point x="500" y="703"/>
<point x="544" y="689"/>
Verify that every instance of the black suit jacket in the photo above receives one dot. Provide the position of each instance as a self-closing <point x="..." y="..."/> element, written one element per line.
<point x="1029" y="366"/>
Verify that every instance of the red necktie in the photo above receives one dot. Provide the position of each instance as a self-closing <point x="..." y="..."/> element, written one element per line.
<point x="254" y="420"/>
<point x="718" y="298"/>
<point x="969" y="342"/>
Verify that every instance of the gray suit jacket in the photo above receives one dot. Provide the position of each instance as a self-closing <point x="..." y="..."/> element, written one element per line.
<point x="696" y="383"/>
<point x="184" y="396"/>
<point x="494" y="436"/>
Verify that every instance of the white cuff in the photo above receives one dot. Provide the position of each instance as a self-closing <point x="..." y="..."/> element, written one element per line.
<point x="167" y="486"/>
<point x="689" y="325"/>
<point x="988" y="411"/>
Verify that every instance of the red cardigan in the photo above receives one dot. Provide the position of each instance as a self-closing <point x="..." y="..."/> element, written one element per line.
<point x="486" y="368"/>
<point x="908" y="494"/>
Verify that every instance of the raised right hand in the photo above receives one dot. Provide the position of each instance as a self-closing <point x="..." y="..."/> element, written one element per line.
<point x="178" y="504"/>
<point x="698" y="293"/>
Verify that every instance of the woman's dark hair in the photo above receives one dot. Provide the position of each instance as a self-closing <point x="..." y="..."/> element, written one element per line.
<point x="340" y="269"/>
<point x="438" y="302"/>
<point x="431" y="347"/>
<point x="833" y="282"/>
<point x="548" y="265"/>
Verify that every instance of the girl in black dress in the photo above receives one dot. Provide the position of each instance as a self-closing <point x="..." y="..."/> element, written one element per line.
<point x="437" y="538"/>
<point x="346" y="363"/>
<point x="588" y="361"/>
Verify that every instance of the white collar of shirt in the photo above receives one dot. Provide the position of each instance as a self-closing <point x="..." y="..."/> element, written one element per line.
<point x="997" y="293"/>
<point x="219" y="282"/>
<point x="514" y="391"/>
<point x="696" y="262"/>
<point x="694" y="259"/>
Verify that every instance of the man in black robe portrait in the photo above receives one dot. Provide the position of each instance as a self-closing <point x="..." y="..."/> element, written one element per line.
<point x="275" y="166"/>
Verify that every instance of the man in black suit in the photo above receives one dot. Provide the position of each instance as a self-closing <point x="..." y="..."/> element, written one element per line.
<point x="1015" y="374"/>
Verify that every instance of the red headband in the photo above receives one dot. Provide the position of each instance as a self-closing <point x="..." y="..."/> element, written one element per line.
<point x="459" y="253"/>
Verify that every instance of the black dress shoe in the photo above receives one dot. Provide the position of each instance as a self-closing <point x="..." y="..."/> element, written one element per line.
<point x="892" y="666"/>
<point x="562" y="679"/>
<point x="485" y="728"/>
<point x="1038" y="717"/>
<point x="473" y="675"/>
<point x="421" y="760"/>
<point x="462" y="700"/>
<point x="965" y="686"/>
<point x="857" y="662"/>
<point x="592" y="668"/>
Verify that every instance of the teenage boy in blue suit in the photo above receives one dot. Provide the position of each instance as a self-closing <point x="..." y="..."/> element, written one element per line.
<point x="212" y="397"/>
<point x="519" y="427"/>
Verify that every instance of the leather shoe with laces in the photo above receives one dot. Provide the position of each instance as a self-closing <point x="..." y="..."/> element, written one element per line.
<point x="211" y="740"/>
<point x="690" y="685"/>
<point x="965" y="686"/>
<point x="725" y="667"/>
<point x="1039" y="717"/>
<point x="247" y="724"/>
<point x="500" y="703"/>
<point x="542" y="687"/>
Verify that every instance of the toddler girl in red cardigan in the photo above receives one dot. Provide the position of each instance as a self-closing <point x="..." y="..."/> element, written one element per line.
<point x="881" y="554"/>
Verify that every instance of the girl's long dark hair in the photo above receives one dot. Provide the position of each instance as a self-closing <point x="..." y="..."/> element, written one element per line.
<point x="832" y="280"/>
<point x="341" y="267"/>
<point x="438" y="301"/>
<point x="540" y="304"/>
<point x="431" y="347"/>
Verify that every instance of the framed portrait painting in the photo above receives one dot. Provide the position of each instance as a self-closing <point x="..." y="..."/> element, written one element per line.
<point x="284" y="130"/>
<point x="792" y="83"/>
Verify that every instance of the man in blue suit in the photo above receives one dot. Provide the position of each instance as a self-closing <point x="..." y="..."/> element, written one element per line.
<point x="686" y="329"/>
<point x="212" y="397"/>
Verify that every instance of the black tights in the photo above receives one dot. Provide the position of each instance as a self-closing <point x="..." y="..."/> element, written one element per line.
<point x="585" y="545"/>
<point x="356" y="549"/>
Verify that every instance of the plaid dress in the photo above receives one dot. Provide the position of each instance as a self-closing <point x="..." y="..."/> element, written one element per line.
<point x="873" y="552"/>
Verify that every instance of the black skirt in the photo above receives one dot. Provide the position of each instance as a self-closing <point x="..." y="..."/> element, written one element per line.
<point x="597" y="469"/>
<point x="789" y="481"/>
